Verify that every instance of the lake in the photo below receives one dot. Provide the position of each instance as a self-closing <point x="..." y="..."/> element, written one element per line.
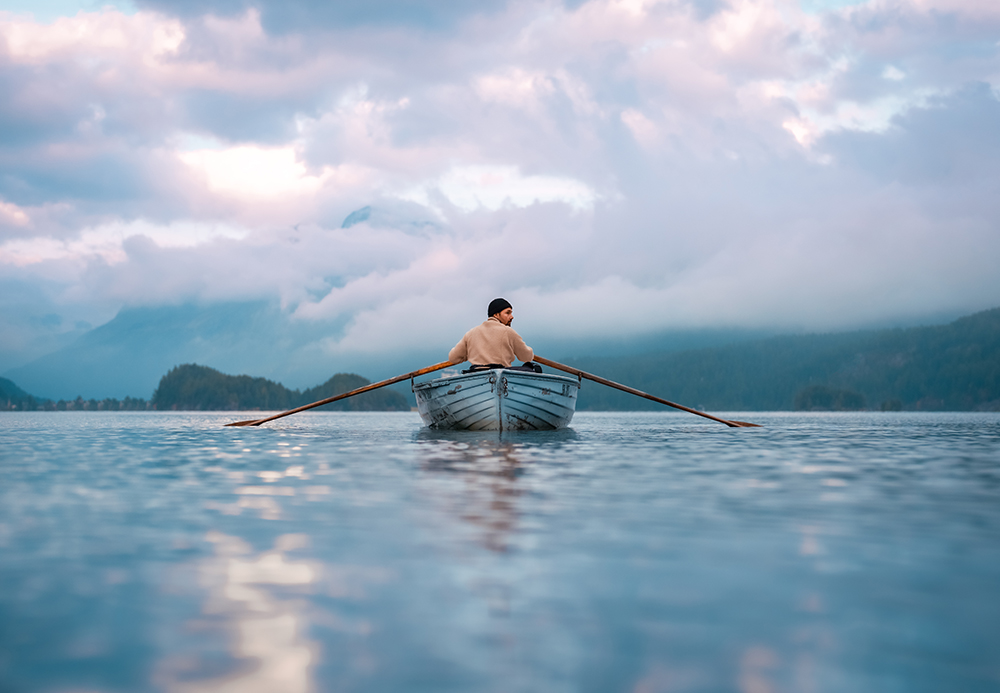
<point x="640" y="552"/>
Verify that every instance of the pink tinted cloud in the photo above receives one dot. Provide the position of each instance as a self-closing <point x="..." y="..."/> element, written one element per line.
<point x="705" y="144"/>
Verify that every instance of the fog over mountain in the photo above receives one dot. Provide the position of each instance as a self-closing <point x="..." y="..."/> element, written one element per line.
<point x="127" y="356"/>
<point x="305" y="187"/>
<point x="953" y="366"/>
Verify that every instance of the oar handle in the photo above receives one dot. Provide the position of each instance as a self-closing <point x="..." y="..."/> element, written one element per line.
<point x="345" y="395"/>
<point x="631" y="390"/>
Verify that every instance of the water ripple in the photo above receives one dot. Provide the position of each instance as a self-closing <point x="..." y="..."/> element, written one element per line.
<point x="637" y="551"/>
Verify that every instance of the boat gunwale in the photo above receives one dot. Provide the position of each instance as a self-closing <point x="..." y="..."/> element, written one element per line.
<point x="518" y="374"/>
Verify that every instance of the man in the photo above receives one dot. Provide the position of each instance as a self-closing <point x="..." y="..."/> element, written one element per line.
<point x="494" y="344"/>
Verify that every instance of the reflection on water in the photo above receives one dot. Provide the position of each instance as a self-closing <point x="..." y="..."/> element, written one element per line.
<point x="266" y="630"/>
<point x="488" y="466"/>
<point x="633" y="552"/>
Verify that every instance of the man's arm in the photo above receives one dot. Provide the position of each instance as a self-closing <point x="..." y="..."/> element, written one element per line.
<point x="521" y="350"/>
<point x="459" y="352"/>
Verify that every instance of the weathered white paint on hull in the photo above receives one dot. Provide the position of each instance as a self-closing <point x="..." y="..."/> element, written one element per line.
<point x="498" y="400"/>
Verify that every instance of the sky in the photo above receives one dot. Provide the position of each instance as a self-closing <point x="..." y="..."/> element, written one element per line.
<point x="615" y="168"/>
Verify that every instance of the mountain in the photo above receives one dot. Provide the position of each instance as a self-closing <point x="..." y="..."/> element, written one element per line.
<point x="195" y="387"/>
<point x="384" y="399"/>
<point x="127" y="356"/>
<point x="946" y="367"/>
<point x="952" y="366"/>
<point x="13" y="397"/>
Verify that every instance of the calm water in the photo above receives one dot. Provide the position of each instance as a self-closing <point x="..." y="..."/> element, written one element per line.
<point x="634" y="552"/>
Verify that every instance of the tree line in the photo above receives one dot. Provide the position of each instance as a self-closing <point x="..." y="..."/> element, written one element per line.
<point x="200" y="388"/>
<point x="194" y="387"/>
<point x="13" y="398"/>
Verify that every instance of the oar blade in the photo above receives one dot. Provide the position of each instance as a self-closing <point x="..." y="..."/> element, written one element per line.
<point x="740" y="424"/>
<point x="243" y="423"/>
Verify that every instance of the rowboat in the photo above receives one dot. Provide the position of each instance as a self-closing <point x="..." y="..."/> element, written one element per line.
<point x="499" y="399"/>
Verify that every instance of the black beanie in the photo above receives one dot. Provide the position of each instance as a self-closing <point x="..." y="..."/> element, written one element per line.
<point x="497" y="305"/>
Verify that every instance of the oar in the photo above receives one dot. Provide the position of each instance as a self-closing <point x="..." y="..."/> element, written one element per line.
<point x="640" y="393"/>
<point x="366" y="388"/>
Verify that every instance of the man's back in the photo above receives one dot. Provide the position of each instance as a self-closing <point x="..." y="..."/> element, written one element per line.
<point x="491" y="342"/>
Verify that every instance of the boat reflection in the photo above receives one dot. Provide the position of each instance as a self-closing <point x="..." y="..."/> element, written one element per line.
<point x="525" y="440"/>
<point x="489" y="467"/>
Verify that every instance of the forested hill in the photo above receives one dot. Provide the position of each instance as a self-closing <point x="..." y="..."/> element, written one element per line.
<point x="946" y="367"/>
<point x="13" y="397"/>
<point x="196" y="387"/>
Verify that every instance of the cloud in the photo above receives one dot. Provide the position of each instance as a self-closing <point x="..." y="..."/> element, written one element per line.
<point x="305" y="15"/>
<point x="665" y="164"/>
<point x="493" y="187"/>
<point x="948" y="148"/>
<point x="255" y="171"/>
<point x="108" y="242"/>
<point x="12" y="215"/>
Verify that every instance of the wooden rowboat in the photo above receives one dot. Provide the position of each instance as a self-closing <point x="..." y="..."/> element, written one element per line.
<point x="498" y="400"/>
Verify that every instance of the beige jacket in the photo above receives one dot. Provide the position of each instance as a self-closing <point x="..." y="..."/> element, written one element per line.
<point x="491" y="342"/>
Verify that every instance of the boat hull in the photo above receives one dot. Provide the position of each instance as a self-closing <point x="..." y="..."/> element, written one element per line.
<point x="498" y="400"/>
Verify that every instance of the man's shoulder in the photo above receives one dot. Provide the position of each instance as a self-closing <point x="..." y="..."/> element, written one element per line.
<point x="479" y="328"/>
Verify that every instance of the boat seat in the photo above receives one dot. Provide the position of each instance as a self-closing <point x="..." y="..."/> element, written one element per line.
<point x="529" y="366"/>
